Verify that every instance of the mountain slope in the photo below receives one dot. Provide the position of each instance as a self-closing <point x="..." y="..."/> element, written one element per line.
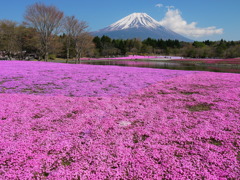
<point x="138" y="25"/>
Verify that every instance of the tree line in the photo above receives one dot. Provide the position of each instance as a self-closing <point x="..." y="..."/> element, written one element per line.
<point x="47" y="33"/>
<point x="106" y="46"/>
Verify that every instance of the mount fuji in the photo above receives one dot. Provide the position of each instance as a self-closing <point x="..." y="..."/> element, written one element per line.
<point x="139" y="25"/>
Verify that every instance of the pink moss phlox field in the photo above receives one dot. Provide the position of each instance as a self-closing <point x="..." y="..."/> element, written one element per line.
<point x="76" y="80"/>
<point x="182" y="125"/>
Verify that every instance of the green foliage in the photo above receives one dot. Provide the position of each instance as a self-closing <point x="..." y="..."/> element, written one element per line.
<point x="206" y="49"/>
<point x="200" y="107"/>
<point x="198" y="44"/>
<point x="107" y="46"/>
<point x="215" y="142"/>
<point x="52" y="56"/>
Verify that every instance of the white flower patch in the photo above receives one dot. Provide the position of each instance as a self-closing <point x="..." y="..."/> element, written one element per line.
<point x="124" y="123"/>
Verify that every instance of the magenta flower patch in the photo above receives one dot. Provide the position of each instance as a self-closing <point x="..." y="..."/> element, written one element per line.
<point x="77" y="80"/>
<point x="60" y="121"/>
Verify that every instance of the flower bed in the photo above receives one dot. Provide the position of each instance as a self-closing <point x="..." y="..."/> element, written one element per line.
<point x="76" y="80"/>
<point x="159" y="124"/>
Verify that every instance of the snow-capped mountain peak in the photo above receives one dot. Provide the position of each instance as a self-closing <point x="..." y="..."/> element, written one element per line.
<point x="134" y="20"/>
<point x="138" y="25"/>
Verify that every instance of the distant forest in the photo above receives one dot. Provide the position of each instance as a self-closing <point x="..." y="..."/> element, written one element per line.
<point x="22" y="42"/>
<point x="105" y="46"/>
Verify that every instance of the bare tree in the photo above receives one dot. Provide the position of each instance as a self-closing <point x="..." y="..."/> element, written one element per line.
<point x="73" y="29"/>
<point x="79" y="30"/>
<point x="27" y="41"/>
<point x="46" y="20"/>
<point x="8" y="37"/>
<point x="84" y="45"/>
<point x="69" y="25"/>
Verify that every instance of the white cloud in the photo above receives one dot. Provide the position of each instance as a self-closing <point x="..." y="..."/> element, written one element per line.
<point x="159" y="5"/>
<point x="170" y="7"/>
<point x="174" y="21"/>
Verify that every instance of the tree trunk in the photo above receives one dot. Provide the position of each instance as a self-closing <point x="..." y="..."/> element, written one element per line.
<point x="46" y="56"/>
<point x="68" y="47"/>
<point x="46" y="48"/>
<point x="79" y="58"/>
<point x="67" y="55"/>
<point x="76" y="60"/>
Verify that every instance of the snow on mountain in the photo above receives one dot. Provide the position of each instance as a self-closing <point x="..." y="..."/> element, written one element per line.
<point x="134" y="20"/>
<point x="139" y="25"/>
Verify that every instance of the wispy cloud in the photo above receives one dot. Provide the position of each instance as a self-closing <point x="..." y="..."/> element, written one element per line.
<point x="173" y="20"/>
<point x="159" y="5"/>
<point x="170" y="7"/>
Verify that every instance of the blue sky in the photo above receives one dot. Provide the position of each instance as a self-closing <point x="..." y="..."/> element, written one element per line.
<point x="198" y="19"/>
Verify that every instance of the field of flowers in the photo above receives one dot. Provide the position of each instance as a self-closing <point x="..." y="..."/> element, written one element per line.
<point x="61" y="121"/>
